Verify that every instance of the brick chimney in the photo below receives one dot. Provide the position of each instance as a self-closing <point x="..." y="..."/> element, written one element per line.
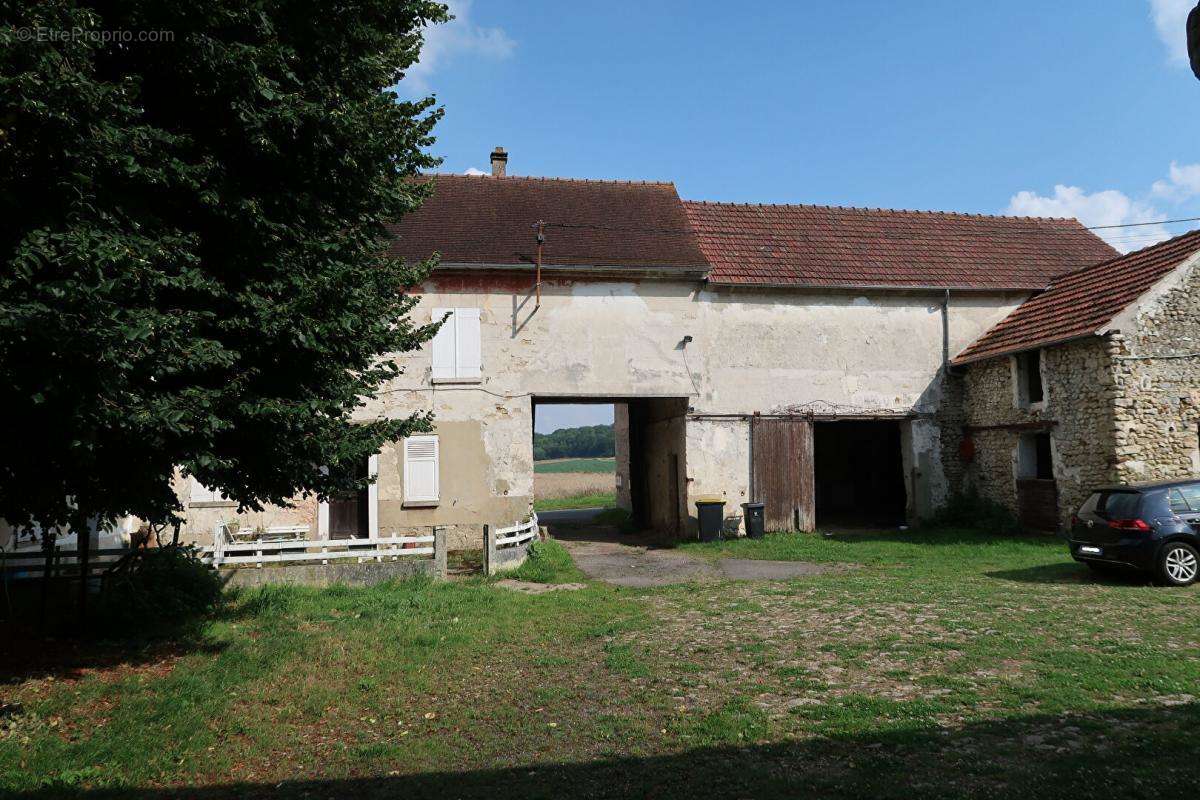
<point x="499" y="162"/>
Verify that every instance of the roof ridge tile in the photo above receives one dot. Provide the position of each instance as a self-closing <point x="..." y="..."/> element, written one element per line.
<point x="549" y="178"/>
<point x="882" y="210"/>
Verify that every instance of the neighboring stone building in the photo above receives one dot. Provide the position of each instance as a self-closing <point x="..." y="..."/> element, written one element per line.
<point x="794" y="354"/>
<point x="1097" y="380"/>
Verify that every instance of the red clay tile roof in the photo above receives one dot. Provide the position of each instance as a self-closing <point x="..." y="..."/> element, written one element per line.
<point x="1082" y="302"/>
<point x="485" y="220"/>
<point x="831" y="246"/>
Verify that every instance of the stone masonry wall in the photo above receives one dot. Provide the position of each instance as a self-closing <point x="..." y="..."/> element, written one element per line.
<point x="1157" y="369"/>
<point x="950" y="418"/>
<point x="1079" y="385"/>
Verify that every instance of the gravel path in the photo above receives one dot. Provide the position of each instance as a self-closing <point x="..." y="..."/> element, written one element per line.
<point x="639" y="565"/>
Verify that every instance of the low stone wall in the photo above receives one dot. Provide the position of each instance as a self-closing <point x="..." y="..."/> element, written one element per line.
<point x="360" y="574"/>
<point x="350" y="572"/>
<point x="500" y="558"/>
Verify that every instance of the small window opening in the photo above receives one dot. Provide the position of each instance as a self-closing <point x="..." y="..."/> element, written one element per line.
<point x="1035" y="457"/>
<point x="1029" y="369"/>
<point x="1045" y="463"/>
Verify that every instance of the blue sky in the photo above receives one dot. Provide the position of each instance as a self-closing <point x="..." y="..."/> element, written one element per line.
<point x="1064" y="108"/>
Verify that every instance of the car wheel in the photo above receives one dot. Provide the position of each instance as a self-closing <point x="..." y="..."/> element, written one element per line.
<point x="1178" y="564"/>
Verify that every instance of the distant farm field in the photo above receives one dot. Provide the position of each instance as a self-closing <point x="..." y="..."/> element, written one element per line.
<point x="574" y="483"/>
<point x="597" y="465"/>
<point x="571" y="484"/>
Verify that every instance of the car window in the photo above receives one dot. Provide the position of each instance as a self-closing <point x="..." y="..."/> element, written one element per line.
<point x="1090" y="505"/>
<point x="1121" y="505"/>
<point x="1191" y="495"/>
<point x="1178" y="504"/>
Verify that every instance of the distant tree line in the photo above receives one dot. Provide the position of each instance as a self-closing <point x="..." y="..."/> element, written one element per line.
<point x="594" y="441"/>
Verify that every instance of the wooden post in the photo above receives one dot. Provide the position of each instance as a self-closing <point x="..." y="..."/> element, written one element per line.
<point x="83" y="544"/>
<point x="47" y="572"/>
<point x="439" y="552"/>
<point x="489" y="550"/>
<point x="218" y="544"/>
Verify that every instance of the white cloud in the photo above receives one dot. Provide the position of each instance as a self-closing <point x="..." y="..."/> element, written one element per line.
<point x="458" y="37"/>
<point x="1183" y="183"/>
<point x="1106" y="207"/>
<point x="474" y="171"/>
<point x="1170" y="19"/>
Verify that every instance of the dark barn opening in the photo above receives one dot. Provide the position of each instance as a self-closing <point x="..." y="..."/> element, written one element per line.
<point x="349" y="513"/>
<point x="859" y="473"/>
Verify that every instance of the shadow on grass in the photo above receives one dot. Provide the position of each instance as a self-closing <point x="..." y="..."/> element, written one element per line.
<point x="1149" y="752"/>
<point x="65" y="650"/>
<point x="28" y="655"/>
<point x="1070" y="574"/>
<point x="933" y="536"/>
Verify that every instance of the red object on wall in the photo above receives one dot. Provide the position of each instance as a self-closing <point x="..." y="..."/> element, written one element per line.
<point x="966" y="449"/>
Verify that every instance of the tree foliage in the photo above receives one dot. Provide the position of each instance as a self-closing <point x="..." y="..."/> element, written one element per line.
<point x="193" y="264"/>
<point x="588" y="441"/>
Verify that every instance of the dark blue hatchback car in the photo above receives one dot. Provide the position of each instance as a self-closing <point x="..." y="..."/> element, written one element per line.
<point x="1152" y="527"/>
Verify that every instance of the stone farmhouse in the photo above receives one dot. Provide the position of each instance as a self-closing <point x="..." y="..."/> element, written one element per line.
<point x="799" y="355"/>
<point x="1094" y="381"/>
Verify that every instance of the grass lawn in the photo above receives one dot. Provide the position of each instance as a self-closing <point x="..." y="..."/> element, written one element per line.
<point x="600" y="500"/>
<point x="597" y="465"/>
<point x="941" y="665"/>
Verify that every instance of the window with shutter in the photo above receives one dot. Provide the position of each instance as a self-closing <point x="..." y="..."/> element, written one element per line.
<point x="457" y="349"/>
<point x="421" y="470"/>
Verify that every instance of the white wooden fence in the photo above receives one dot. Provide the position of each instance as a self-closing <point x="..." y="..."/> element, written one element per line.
<point x="33" y="563"/>
<point x="505" y="548"/>
<point x="315" y="551"/>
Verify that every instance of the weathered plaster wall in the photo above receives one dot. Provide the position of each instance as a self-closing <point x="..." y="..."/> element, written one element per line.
<point x="470" y="495"/>
<point x="751" y="351"/>
<point x="1156" y="361"/>
<point x="768" y="351"/>
<point x="1078" y="382"/>
<point x="718" y="456"/>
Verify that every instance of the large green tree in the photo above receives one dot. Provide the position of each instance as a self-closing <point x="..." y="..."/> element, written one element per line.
<point x="192" y="207"/>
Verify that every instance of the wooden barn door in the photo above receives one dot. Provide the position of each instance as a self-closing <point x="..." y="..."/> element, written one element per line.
<point x="1037" y="504"/>
<point x="781" y="474"/>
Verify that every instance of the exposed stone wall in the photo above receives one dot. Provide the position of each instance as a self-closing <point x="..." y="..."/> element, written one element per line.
<point x="1157" y="369"/>
<point x="950" y="418"/>
<point x="1079" y="385"/>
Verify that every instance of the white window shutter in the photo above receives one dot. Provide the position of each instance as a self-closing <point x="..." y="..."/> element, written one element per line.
<point x="443" y="345"/>
<point x="421" y="469"/>
<point x="468" y="350"/>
